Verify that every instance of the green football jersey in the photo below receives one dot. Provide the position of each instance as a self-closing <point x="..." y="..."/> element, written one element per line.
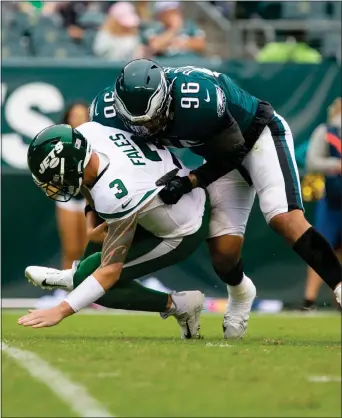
<point x="102" y="110"/>
<point x="200" y="100"/>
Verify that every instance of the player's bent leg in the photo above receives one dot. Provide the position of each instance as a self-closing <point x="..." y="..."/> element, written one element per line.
<point x="50" y="278"/>
<point x="274" y="173"/>
<point x="232" y="199"/>
<point x="147" y="255"/>
<point x="186" y="307"/>
<point x="241" y="289"/>
<point x="311" y="246"/>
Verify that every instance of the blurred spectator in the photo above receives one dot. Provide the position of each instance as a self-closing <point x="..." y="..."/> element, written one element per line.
<point x="247" y="9"/>
<point x="225" y="7"/>
<point x="143" y="9"/>
<point x="294" y="49"/>
<point x="70" y="215"/>
<point x="324" y="156"/>
<point x="173" y="36"/>
<point x="71" y="11"/>
<point x="118" y="39"/>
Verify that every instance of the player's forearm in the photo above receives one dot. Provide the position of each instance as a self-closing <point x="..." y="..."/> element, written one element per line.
<point x="318" y="158"/>
<point x="92" y="289"/>
<point x="159" y="43"/>
<point x="107" y="276"/>
<point x="328" y="165"/>
<point x="226" y="152"/>
<point x="196" y="44"/>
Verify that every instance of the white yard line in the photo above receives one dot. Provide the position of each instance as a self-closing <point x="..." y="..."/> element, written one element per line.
<point x="324" y="379"/>
<point x="72" y="394"/>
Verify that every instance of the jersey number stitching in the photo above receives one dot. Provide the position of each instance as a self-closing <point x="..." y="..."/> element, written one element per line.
<point x="190" y="88"/>
<point x="109" y="111"/>
<point x="119" y="187"/>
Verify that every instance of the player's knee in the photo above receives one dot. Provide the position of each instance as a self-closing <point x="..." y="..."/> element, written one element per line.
<point x="225" y="252"/>
<point x="290" y="225"/>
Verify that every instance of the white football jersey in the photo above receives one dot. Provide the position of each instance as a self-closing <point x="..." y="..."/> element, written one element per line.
<point x="128" y="184"/>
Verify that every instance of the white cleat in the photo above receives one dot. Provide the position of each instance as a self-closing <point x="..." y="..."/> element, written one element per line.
<point x="186" y="308"/>
<point x="338" y="294"/>
<point x="49" y="278"/>
<point x="239" y="306"/>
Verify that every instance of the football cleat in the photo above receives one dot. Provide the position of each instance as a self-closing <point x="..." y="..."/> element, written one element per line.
<point x="49" y="278"/>
<point x="186" y="308"/>
<point x="239" y="306"/>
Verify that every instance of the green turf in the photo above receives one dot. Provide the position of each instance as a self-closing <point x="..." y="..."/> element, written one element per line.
<point x="136" y="366"/>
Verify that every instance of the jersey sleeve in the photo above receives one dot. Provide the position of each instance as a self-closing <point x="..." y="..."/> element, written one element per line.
<point x="91" y="110"/>
<point x="102" y="110"/>
<point x="151" y="31"/>
<point x="123" y="191"/>
<point x="195" y="31"/>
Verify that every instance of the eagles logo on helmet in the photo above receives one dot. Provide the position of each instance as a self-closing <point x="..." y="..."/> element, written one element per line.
<point x="147" y="113"/>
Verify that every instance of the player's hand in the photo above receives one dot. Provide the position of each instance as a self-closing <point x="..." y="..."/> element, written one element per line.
<point x="175" y="189"/>
<point x="98" y="234"/>
<point x="41" y="318"/>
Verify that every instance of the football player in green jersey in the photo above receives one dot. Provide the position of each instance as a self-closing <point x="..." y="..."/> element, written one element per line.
<point x="248" y="149"/>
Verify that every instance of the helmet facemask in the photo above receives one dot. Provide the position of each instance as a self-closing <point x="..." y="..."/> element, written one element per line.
<point x="62" y="188"/>
<point x="61" y="173"/>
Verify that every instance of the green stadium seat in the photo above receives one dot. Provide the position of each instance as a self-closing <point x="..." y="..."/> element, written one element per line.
<point x="21" y="22"/>
<point x="92" y="19"/>
<point x="89" y="36"/>
<point x="337" y="10"/>
<point x="48" y="31"/>
<point x="61" y="50"/>
<point x="317" y="10"/>
<point x="303" y="10"/>
<point x="332" y="45"/>
<point x="13" y="49"/>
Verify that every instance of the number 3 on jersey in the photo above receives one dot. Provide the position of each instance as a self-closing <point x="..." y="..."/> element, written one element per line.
<point x="190" y="88"/>
<point x="119" y="188"/>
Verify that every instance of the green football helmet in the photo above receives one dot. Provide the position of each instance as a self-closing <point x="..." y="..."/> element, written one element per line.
<point x="57" y="157"/>
<point x="142" y="97"/>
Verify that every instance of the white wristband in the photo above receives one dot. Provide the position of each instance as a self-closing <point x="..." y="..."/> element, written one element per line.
<point x="86" y="293"/>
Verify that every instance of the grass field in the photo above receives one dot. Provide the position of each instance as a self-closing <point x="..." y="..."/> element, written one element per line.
<point x="287" y="366"/>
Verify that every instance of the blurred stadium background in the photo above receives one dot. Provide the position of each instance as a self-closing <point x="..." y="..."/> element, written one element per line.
<point x="54" y="53"/>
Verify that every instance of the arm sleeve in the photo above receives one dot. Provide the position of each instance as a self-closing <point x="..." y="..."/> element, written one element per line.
<point x="195" y="31"/>
<point x="317" y="159"/>
<point x="224" y="153"/>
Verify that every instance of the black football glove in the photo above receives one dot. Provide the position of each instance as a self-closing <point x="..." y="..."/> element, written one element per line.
<point x="175" y="189"/>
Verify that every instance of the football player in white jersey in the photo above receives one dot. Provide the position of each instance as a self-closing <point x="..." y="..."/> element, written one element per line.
<point x="121" y="181"/>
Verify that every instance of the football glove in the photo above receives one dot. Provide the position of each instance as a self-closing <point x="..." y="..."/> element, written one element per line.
<point x="175" y="189"/>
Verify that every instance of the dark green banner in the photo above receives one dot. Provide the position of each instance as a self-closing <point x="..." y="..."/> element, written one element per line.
<point x="34" y="95"/>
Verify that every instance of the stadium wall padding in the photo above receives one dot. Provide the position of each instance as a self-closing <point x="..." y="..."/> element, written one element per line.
<point x="34" y="95"/>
